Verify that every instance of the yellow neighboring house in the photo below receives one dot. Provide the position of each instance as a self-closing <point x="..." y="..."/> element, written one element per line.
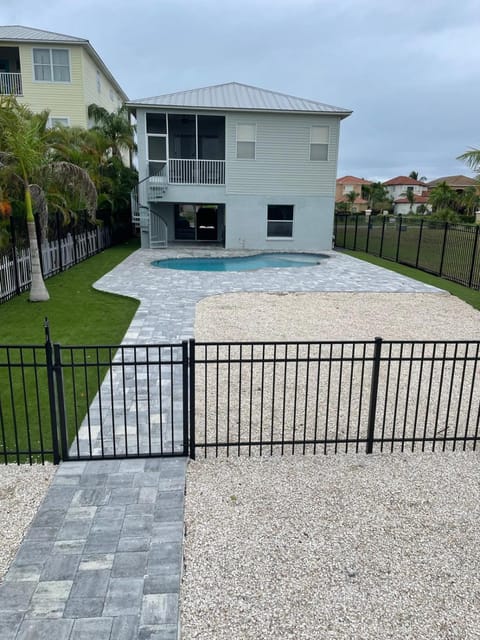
<point x="63" y="74"/>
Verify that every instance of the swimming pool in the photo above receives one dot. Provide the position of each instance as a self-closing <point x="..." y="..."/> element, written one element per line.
<point x="245" y="263"/>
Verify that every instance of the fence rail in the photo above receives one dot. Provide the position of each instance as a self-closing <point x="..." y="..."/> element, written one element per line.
<point x="451" y="251"/>
<point x="273" y="398"/>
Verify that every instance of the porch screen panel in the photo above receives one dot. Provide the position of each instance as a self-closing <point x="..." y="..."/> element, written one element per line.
<point x="211" y="137"/>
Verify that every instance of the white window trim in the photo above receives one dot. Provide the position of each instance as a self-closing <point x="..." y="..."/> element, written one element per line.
<point x="251" y="124"/>
<point x="52" y="81"/>
<point x="50" y="118"/>
<point x="324" y="126"/>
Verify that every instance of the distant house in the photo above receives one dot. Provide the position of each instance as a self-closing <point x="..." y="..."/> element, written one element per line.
<point x="457" y="183"/>
<point x="64" y="74"/>
<point x="238" y="165"/>
<point x="397" y="189"/>
<point x="346" y="185"/>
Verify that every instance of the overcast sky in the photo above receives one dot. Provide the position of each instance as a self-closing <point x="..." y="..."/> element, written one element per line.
<point x="409" y="70"/>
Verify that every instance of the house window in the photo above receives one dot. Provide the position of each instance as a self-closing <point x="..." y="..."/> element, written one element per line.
<point x="99" y="82"/>
<point x="280" y="221"/>
<point x="246" y="134"/>
<point x="55" y="121"/>
<point x="319" y="143"/>
<point x="51" y="65"/>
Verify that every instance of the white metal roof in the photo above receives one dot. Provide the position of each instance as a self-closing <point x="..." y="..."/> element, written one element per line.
<point x="234" y="96"/>
<point x="18" y="33"/>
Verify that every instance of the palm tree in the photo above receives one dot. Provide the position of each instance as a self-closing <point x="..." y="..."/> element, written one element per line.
<point x="410" y="196"/>
<point x="351" y="196"/>
<point x="115" y="127"/>
<point x="471" y="159"/>
<point x="442" y="197"/>
<point x="414" y="176"/>
<point x="25" y="159"/>
<point x="376" y="195"/>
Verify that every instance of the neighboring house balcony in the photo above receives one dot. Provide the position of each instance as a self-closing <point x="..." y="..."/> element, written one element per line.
<point x="11" y="84"/>
<point x="10" y="72"/>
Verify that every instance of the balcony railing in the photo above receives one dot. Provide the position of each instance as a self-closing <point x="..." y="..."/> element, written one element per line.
<point x="11" y="84"/>
<point x="196" y="172"/>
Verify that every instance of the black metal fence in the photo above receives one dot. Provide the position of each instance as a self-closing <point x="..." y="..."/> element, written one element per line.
<point x="451" y="251"/>
<point x="87" y="402"/>
<point x="277" y="398"/>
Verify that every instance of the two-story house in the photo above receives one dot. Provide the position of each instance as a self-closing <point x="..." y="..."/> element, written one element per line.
<point x="238" y="165"/>
<point x="63" y="74"/>
<point x="397" y="189"/>
<point x="344" y="186"/>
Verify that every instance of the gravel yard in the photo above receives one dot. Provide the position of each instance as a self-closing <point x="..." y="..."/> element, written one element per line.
<point x="22" y="488"/>
<point x="341" y="547"/>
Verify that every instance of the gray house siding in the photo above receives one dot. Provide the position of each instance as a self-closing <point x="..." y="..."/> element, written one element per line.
<point x="246" y="223"/>
<point x="282" y="162"/>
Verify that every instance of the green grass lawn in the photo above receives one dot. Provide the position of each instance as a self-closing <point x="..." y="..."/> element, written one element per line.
<point x="78" y="315"/>
<point x="464" y="293"/>
<point x="459" y="244"/>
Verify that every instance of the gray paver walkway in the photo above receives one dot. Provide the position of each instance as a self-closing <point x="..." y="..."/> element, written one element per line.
<point x="103" y="557"/>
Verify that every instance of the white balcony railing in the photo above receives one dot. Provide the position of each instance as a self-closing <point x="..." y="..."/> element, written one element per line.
<point x="10" y="84"/>
<point x="196" y="171"/>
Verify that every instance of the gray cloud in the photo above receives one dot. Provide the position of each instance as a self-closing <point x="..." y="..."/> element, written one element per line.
<point x="409" y="70"/>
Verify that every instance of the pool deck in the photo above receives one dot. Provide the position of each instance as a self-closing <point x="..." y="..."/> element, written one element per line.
<point x="104" y="555"/>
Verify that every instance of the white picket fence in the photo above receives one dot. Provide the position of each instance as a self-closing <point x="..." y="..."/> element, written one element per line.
<point x="16" y="274"/>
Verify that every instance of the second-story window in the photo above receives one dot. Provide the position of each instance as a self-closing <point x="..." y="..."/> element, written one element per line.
<point x="99" y="82"/>
<point x="319" y="143"/>
<point x="51" y="65"/>
<point x="246" y="134"/>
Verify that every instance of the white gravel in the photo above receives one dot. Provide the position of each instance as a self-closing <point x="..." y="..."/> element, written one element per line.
<point x="343" y="546"/>
<point x="22" y="489"/>
<point x="337" y="547"/>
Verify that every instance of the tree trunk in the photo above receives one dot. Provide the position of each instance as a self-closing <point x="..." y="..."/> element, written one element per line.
<point x="38" y="290"/>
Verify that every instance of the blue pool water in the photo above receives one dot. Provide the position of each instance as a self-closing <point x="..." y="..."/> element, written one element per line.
<point x="247" y="263"/>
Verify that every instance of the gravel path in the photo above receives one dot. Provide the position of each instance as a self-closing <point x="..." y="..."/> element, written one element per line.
<point x="338" y="547"/>
<point x="22" y="488"/>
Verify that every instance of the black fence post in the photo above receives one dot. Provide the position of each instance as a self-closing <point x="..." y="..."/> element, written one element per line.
<point x="62" y="415"/>
<point x="51" y="393"/>
<point x="373" y="394"/>
<point x="382" y="236"/>
<point x="345" y="232"/>
<point x="355" y="237"/>
<point x="397" y="254"/>
<point x="474" y="255"/>
<point x="368" y="232"/>
<point x="191" y="361"/>
<point x="445" y="234"/>
<point x="185" y="391"/>
<point x="419" y="243"/>
<point x="15" y="256"/>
